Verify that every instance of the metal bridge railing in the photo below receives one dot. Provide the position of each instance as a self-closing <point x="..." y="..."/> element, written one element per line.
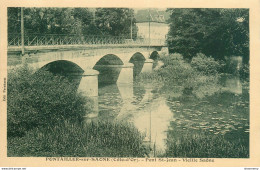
<point x="14" y="40"/>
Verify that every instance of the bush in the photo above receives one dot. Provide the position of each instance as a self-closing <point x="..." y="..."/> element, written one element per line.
<point x="39" y="99"/>
<point x="206" y="65"/>
<point x="102" y="139"/>
<point x="176" y="71"/>
<point x="172" y="59"/>
<point x="178" y="74"/>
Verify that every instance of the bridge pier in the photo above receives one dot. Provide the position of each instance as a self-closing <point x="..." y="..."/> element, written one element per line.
<point x="148" y="66"/>
<point x="126" y="74"/>
<point x="89" y="87"/>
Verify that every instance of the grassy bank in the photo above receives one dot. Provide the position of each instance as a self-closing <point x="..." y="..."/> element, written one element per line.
<point x="41" y="99"/>
<point x="202" y="145"/>
<point x="99" y="139"/>
<point x="45" y="118"/>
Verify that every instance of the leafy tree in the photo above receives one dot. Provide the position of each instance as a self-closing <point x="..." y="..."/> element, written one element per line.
<point x="214" y="32"/>
<point x="116" y="21"/>
<point x="108" y="21"/>
<point x="41" y="20"/>
<point x="84" y="21"/>
<point x="49" y="20"/>
<point x="14" y="15"/>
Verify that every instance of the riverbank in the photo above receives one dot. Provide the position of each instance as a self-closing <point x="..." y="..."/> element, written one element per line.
<point x="211" y="119"/>
<point x="46" y="118"/>
<point x="183" y="109"/>
<point x="67" y="139"/>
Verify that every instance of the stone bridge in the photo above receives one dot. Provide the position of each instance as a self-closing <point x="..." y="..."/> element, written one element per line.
<point x="91" y="65"/>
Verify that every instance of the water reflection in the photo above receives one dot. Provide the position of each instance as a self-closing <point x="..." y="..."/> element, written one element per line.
<point x="127" y="107"/>
<point x="137" y="105"/>
<point x="109" y="100"/>
<point x="154" y="121"/>
<point x="158" y="118"/>
<point x="232" y="84"/>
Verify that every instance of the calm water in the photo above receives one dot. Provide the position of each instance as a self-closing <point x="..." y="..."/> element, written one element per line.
<point x="159" y="117"/>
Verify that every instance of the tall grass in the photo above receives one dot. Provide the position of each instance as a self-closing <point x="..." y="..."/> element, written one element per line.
<point x="99" y="139"/>
<point x="205" y="146"/>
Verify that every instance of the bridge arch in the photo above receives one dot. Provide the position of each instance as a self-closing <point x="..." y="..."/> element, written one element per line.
<point x="154" y="55"/>
<point x="72" y="71"/>
<point x="138" y="60"/>
<point x="109" y="67"/>
<point x="109" y="59"/>
<point x="62" y="67"/>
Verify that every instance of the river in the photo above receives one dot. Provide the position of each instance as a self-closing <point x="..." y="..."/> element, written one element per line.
<point x="160" y="118"/>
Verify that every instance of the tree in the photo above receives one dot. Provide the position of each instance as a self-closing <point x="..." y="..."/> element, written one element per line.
<point x="108" y="21"/>
<point x="214" y="32"/>
<point x="85" y="21"/>
<point x="14" y="22"/>
<point x="49" y="20"/>
<point x="116" y="21"/>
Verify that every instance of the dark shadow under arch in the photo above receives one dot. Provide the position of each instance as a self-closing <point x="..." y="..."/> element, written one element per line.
<point x="138" y="60"/>
<point x="109" y="67"/>
<point x="65" y="68"/>
<point x="110" y="59"/>
<point x="62" y="67"/>
<point x="155" y="57"/>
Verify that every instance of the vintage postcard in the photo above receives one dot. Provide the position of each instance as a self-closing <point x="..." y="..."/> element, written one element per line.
<point x="124" y="83"/>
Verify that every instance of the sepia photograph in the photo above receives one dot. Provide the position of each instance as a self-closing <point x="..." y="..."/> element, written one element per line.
<point x="148" y="84"/>
<point x="121" y="82"/>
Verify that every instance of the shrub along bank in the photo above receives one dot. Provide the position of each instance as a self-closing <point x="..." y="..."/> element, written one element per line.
<point x="41" y="99"/>
<point x="45" y="118"/>
<point x="199" y="78"/>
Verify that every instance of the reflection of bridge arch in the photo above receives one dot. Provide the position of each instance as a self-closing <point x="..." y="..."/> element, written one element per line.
<point x="80" y="62"/>
<point x="113" y="67"/>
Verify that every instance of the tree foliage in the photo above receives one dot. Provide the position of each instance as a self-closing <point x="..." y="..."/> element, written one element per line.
<point x="87" y="21"/>
<point x="116" y="21"/>
<point x="214" y="32"/>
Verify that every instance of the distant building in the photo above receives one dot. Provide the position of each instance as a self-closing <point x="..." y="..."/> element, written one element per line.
<point x="158" y="26"/>
<point x="157" y="30"/>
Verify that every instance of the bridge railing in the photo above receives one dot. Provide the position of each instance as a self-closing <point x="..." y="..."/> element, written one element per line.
<point x="64" y="39"/>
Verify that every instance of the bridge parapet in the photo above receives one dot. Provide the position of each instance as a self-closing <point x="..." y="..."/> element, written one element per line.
<point x="14" y="40"/>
